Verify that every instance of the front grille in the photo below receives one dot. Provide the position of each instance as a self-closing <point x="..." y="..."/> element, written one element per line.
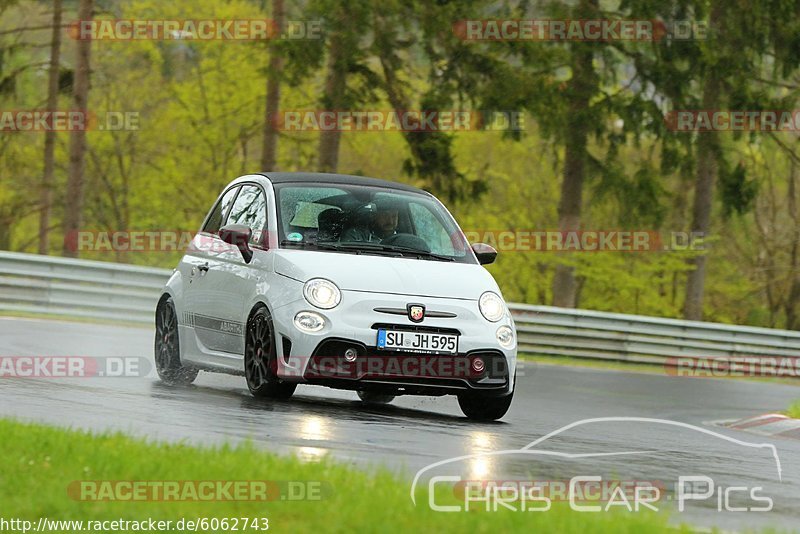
<point x="328" y="364"/>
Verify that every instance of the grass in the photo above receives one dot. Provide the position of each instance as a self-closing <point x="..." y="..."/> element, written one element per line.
<point x="40" y="462"/>
<point x="794" y="410"/>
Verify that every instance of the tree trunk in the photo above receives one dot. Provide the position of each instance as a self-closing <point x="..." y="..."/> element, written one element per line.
<point x="707" y="154"/>
<point x="273" y="102"/>
<point x="73" y="215"/>
<point x="333" y="99"/>
<point x="579" y="92"/>
<point x="46" y="196"/>
<point x="793" y="300"/>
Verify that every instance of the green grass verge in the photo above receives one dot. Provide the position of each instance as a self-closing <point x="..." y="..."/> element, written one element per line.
<point x="794" y="410"/>
<point x="40" y="462"/>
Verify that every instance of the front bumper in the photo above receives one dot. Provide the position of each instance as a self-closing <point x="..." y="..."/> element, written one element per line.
<point x="318" y="357"/>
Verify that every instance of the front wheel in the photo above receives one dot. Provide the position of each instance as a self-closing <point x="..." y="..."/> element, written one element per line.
<point x="483" y="408"/>
<point x="167" y="347"/>
<point x="261" y="359"/>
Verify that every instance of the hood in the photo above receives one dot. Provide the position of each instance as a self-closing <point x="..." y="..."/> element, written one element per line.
<point x="381" y="274"/>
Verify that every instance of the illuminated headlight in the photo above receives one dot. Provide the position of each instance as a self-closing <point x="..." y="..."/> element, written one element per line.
<point x="491" y="306"/>
<point x="308" y="321"/>
<point x="322" y="293"/>
<point x="505" y="336"/>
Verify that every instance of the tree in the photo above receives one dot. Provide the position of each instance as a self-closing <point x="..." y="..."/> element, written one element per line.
<point x="46" y="197"/>
<point x="743" y="38"/>
<point x="334" y="96"/>
<point x="579" y="91"/>
<point x="707" y="157"/>
<point x="73" y="212"/>
<point x="402" y="33"/>
<point x="273" y="100"/>
<point x="348" y="81"/>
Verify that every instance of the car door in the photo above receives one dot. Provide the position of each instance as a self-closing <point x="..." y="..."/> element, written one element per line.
<point x="195" y="267"/>
<point x="229" y="282"/>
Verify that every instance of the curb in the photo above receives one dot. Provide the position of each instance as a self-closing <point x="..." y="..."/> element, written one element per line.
<point x="770" y="424"/>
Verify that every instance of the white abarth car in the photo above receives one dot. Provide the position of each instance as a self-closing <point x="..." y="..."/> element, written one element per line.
<point x="342" y="281"/>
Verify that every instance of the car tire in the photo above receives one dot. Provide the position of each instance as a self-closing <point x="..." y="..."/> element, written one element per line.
<point x="261" y="359"/>
<point x="484" y="408"/>
<point x="370" y="397"/>
<point x="167" y="347"/>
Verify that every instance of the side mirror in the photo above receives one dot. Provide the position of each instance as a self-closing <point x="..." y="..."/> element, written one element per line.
<point x="484" y="253"/>
<point x="238" y="235"/>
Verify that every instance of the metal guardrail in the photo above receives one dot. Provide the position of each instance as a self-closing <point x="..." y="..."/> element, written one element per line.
<point x="636" y="338"/>
<point x="32" y="283"/>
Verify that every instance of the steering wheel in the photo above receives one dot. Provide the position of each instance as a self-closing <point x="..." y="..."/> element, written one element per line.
<point x="409" y="241"/>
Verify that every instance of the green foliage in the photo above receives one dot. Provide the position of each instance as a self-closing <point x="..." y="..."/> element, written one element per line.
<point x="736" y="191"/>
<point x="200" y="109"/>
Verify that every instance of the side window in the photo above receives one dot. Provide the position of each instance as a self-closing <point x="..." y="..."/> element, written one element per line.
<point x="218" y="212"/>
<point x="250" y="209"/>
<point x="429" y="228"/>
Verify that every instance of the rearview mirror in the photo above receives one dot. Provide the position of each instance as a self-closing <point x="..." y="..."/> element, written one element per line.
<point x="484" y="253"/>
<point x="238" y="235"/>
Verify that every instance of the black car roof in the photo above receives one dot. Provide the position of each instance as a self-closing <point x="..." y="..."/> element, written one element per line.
<point x="329" y="178"/>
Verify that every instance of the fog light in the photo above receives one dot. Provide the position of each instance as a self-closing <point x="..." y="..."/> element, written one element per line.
<point x="350" y="355"/>
<point x="309" y="321"/>
<point x="505" y="336"/>
<point x="477" y="365"/>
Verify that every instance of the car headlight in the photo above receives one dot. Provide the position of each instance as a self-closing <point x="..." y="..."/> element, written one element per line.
<point x="505" y="336"/>
<point x="491" y="306"/>
<point x="322" y="293"/>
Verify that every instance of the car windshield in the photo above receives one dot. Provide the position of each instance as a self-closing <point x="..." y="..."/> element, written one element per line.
<point x="360" y="219"/>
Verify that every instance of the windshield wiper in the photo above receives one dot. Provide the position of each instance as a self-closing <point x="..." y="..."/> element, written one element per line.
<point x="405" y="251"/>
<point x="354" y="248"/>
<point x="420" y="253"/>
<point x="358" y="247"/>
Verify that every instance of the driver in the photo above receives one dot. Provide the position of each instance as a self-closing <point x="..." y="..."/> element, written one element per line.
<point x="382" y="224"/>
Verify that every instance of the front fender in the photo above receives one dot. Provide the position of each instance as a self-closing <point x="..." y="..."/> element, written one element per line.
<point x="174" y="288"/>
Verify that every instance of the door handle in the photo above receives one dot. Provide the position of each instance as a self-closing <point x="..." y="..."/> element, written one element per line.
<point x="203" y="267"/>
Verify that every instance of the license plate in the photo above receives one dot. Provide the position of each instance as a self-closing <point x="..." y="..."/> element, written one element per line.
<point x="425" y="342"/>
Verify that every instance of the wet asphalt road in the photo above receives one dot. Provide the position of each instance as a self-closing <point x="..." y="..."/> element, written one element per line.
<point x="414" y="432"/>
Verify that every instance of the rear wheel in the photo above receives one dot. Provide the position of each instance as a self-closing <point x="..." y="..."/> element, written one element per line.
<point x="167" y="347"/>
<point x="370" y="397"/>
<point x="483" y="408"/>
<point x="261" y="359"/>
